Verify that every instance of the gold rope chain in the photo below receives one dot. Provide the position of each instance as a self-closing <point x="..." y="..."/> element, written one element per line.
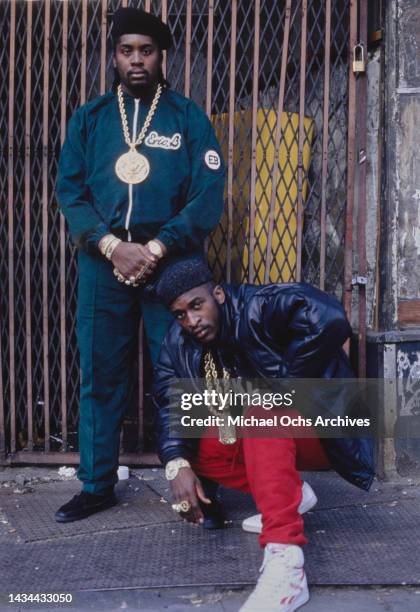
<point x="212" y="379"/>
<point x="147" y="122"/>
<point x="227" y="431"/>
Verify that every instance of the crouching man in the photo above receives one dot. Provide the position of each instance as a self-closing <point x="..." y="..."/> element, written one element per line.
<point x="272" y="331"/>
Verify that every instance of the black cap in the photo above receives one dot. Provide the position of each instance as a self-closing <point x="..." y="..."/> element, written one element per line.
<point x="179" y="276"/>
<point x="130" y="20"/>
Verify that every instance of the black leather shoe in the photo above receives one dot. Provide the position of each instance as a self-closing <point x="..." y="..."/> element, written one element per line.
<point x="214" y="516"/>
<point x="83" y="505"/>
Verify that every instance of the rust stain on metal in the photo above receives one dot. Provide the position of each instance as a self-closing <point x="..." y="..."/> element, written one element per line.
<point x="351" y="155"/>
<point x="275" y="169"/>
<point x="252" y="203"/>
<point x="10" y="221"/>
<point x="210" y="34"/>
<point x="325" y="138"/>
<point x="302" y="85"/>
<point x="231" y="138"/>
<point x="63" y="309"/>
<point x="28" y="322"/>
<point x="45" y="230"/>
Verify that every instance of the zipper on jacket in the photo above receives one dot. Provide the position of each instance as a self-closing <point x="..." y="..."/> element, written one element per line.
<point x="130" y="186"/>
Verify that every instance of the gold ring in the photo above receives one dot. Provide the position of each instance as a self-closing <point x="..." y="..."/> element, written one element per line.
<point x="142" y="272"/>
<point x="120" y="277"/>
<point x="183" y="506"/>
<point x="139" y="275"/>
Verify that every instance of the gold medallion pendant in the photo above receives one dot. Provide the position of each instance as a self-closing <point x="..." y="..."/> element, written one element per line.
<point x="227" y="433"/>
<point x="132" y="167"/>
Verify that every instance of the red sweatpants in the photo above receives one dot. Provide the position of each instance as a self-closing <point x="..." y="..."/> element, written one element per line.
<point x="268" y="469"/>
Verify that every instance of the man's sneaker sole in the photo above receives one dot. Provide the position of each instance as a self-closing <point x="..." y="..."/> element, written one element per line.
<point x="300" y="600"/>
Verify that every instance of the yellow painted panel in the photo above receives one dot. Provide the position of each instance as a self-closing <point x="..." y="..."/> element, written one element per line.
<point x="283" y="248"/>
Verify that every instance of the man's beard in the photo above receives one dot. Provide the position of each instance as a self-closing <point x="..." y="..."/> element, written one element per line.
<point x="143" y="88"/>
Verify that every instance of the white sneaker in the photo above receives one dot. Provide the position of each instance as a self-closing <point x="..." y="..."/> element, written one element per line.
<point x="253" y="524"/>
<point x="282" y="586"/>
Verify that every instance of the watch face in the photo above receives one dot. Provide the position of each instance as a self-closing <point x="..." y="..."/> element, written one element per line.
<point x="171" y="472"/>
<point x="155" y="249"/>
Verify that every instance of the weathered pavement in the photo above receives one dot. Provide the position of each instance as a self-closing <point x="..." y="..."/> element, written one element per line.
<point x="364" y="551"/>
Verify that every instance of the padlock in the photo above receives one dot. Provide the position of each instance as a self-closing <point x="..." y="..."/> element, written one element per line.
<point x="359" y="64"/>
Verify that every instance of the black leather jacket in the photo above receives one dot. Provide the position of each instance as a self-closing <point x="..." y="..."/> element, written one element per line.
<point x="290" y="330"/>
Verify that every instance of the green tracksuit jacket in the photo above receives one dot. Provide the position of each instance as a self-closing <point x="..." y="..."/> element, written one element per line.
<point x="180" y="201"/>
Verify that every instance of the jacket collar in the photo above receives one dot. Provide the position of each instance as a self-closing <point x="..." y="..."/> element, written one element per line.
<point x="226" y="331"/>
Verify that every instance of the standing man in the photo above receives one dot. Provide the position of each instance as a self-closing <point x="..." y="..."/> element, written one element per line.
<point x="140" y="179"/>
<point x="290" y="330"/>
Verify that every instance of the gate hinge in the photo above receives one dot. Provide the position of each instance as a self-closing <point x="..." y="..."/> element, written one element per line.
<point x="359" y="280"/>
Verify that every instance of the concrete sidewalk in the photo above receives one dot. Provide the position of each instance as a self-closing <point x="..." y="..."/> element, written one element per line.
<point x="364" y="551"/>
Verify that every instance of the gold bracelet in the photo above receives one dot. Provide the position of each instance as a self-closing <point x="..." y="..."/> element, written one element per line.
<point x="111" y="248"/>
<point x="108" y="244"/>
<point x="104" y="242"/>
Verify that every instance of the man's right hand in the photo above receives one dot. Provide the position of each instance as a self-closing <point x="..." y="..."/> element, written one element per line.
<point x="130" y="258"/>
<point x="187" y="487"/>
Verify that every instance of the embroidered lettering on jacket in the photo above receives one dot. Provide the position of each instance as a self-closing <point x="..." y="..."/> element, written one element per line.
<point x="171" y="143"/>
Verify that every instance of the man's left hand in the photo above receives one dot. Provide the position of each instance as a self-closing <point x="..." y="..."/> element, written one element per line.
<point x="186" y="486"/>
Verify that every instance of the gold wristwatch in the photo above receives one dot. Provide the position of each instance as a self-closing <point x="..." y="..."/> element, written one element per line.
<point x="155" y="248"/>
<point x="172" y="467"/>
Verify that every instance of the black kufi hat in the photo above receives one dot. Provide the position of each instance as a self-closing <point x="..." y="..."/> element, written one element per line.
<point x="180" y="275"/>
<point x="130" y="20"/>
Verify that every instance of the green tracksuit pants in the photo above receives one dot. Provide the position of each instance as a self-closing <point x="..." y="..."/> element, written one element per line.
<point x="107" y="330"/>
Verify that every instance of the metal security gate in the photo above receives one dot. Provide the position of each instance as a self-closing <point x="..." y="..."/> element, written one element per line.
<point x="274" y="77"/>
